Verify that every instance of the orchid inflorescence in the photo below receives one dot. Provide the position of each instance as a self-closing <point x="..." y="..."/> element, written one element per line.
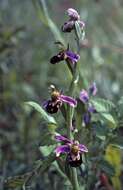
<point x="70" y="147"/>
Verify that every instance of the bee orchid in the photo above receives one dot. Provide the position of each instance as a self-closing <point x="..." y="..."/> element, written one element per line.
<point x="72" y="148"/>
<point x="65" y="55"/>
<point x="57" y="99"/>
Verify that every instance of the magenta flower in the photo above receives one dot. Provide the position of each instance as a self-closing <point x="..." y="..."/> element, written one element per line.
<point x="72" y="148"/>
<point x="65" y="55"/>
<point x="87" y="117"/>
<point x="84" y="97"/>
<point x="87" y="114"/>
<point x="73" y="17"/>
<point x="57" y="98"/>
<point x="72" y="57"/>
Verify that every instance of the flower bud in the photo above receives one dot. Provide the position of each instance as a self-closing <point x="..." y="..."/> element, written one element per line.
<point x="73" y="14"/>
<point x="68" y="26"/>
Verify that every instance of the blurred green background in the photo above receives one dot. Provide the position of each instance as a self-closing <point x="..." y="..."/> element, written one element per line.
<point x="26" y="46"/>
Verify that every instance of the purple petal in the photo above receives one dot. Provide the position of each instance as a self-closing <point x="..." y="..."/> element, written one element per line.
<point x="67" y="99"/>
<point x="59" y="138"/>
<point x="91" y="109"/>
<point x="73" y="57"/>
<point x="62" y="149"/>
<point x="87" y="118"/>
<point x="73" y="14"/>
<point x="83" y="148"/>
<point x="84" y="97"/>
<point x="93" y="89"/>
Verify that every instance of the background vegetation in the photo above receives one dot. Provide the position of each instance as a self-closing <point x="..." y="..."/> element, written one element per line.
<point x="26" y="46"/>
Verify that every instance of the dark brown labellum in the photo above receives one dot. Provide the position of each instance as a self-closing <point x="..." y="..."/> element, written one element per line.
<point x="74" y="163"/>
<point x="57" y="58"/>
<point x="53" y="106"/>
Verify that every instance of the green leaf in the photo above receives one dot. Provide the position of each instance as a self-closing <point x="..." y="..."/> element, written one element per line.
<point x="14" y="182"/>
<point x="48" y="131"/>
<point x="46" y="150"/>
<point x="104" y="107"/>
<point x="100" y="132"/>
<point x="117" y="142"/>
<point x="43" y="113"/>
<point x="110" y="118"/>
<point x="47" y="138"/>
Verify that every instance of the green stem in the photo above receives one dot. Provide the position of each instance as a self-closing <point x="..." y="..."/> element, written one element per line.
<point x="75" y="179"/>
<point x="70" y="111"/>
<point x="69" y="122"/>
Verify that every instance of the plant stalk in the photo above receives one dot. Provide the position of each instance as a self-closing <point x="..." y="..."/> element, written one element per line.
<point x="74" y="179"/>
<point x="70" y="112"/>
